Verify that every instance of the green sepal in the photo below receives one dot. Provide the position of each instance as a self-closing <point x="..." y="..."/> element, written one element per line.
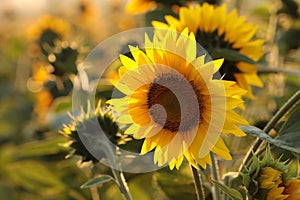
<point x="231" y="55"/>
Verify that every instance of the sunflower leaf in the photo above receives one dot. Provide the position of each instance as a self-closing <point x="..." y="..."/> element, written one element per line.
<point x="289" y="132"/>
<point x="254" y="131"/>
<point x="231" y="55"/>
<point x="233" y="193"/>
<point x="291" y="125"/>
<point x="97" y="180"/>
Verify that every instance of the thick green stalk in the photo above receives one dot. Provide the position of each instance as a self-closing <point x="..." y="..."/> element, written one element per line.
<point x="120" y="179"/>
<point x="198" y="184"/>
<point x="118" y="175"/>
<point x="215" y="176"/>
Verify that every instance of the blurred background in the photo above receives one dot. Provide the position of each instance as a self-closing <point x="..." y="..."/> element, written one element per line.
<point x="42" y="44"/>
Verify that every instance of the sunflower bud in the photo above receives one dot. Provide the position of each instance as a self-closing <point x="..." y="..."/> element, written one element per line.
<point x="85" y="119"/>
<point x="269" y="178"/>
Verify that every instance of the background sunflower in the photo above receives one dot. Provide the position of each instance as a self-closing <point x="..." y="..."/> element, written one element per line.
<point x="48" y="29"/>
<point x="222" y="35"/>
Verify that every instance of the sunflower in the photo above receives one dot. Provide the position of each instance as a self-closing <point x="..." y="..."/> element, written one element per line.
<point x="48" y="29"/>
<point x="143" y="6"/>
<point x="107" y="122"/>
<point x="140" y="6"/>
<point x="174" y="104"/>
<point x="271" y="179"/>
<point x="216" y="30"/>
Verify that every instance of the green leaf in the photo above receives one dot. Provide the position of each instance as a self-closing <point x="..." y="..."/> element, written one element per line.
<point x="231" y="55"/>
<point x="233" y="193"/>
<point x="289" y="132"/>
<point x="254" y="131"/>
<point x="97" y="180"/>
<point x="292" y="124"/>
<point x="41" y="148"/>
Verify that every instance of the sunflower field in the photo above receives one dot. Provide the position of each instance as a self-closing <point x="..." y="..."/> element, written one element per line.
<point x="150" y="99"/>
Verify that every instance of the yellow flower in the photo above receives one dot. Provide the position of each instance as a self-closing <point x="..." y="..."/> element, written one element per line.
<point x="143" y="6"/>
<point x="140" y="6"/>
<point x="271" y="179"/>
<point x="196" y="108"/>
<point x="43" y="97"/>
<point x="43" y="102"/>
<point x="48" y="29"/>
<point x="215" y="29"/>
<point x="278" y="189"/>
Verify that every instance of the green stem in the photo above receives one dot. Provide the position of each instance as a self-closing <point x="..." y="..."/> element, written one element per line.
<point x="120" y="179"/>
<point x="118" y="175"/>
<point x="198" y="184"/>
<point x="268" y="70"/>
<point x="280" y="113"/>
<point x="215" y="175"/>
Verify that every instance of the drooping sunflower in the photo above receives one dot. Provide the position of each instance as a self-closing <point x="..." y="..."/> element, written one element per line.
<point x="174" y="104"/>
<point x="48" y="29"/>
<point x="216" y="30"/>
<point x="271" y="179"/>
<point x="107" y="122"/>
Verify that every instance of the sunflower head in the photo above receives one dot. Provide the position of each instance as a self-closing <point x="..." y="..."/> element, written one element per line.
<point x="47" y="30"/>
<point x="172" y="101"/>
<point x="108" y="125"/>
<point x="143" y="6"/>
<point x="64" y="58"/>
<point x="223" y="35"/>
<point x="270" y="179"/>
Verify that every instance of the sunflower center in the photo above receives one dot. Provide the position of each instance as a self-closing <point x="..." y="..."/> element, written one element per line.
<point x="211" y="41"/>
<point x="179" y="98"/>
<point x="48" y="36"/>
